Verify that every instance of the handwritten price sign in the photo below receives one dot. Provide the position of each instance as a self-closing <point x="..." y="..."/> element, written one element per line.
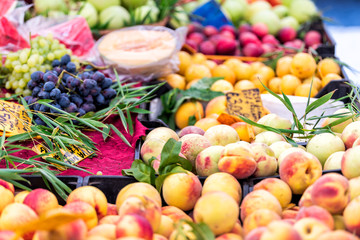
<point x="13" y="118"/>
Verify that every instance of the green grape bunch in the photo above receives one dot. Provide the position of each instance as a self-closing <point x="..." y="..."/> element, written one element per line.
<point x="23" y="63"/>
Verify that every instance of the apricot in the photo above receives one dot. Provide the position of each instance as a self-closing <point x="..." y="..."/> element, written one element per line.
<point x="289" y="83"/>
<point x="104" y="230"/>
<point x="305" y="89"/>
<point x="196" y="71"/>
<point x="190" y="84"/>
<point x="233" y="63"/>
<point x="162" y="133"/>
<point x="166" y="227"/>
<point x="207" y="160"/>
<point x="222" y="86"/>
<point x="266" y="164"/>
<point x="175" y="213"/>
<point x="187" y="110"/>
<point x="318" y="213"/>
<point x="310" y="228"/>
<point x="337" y="235"/>
<point x="15" y="216"/>
<point x="315" y="81"/>
<point x="350" y="133"/>
<point x="330" y="77"/>
<point x="190" y="130"/>
<point x="185" y="61"/>
<point x="326" y="66"/>
<point x="138" y="189"/>
<point x="41" y="200"/>
<point x="303" y="65"/>
<point x="80" y="207"/>
<point x="274" y="85"/>
<point x="133" y="225"/>
<point x="210" y="64"/>
<point x="333" y="162"/>
<point x="279" y="147"/>
<point x="283" y="66"/>
<point x="259" y="80"/>
<point x="152" y="147"/>
<point x="244" y="85"/>
<point x="176" y="81"/>
<point x="206" y="123"/>
<point x="225" y="72"/>
<point x="220" y="219"/>
<point x="259" y="218"/>
<point x="192" y="145"/>
<point x="268" y="137"/>
<point x="243" y="72"/>
<point x="216" y="106"/>
<point x="255" y="66"/>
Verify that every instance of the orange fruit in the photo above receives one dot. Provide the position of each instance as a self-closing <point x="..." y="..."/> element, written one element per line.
<point x="187" y="110"/>
<point x="283" y="66"/>
<point x="244" y="71"/>
<point x="274" y="84"/>
<point x="185" y="61"/>
<point x="257" y="79"/>
<point x="216" y="105"/>
<point x="196" y="71"/>
<point x="266" y="72"/>
<point x="329" y="77"/>
<point x="224" y="72"/>
<point x="245" y="131"/>
<point x="255" y="66"/>
<point x="303" y="65"/>
<point x="176" y="81"/>
<point x="191" y="83"/>
<point x="210" y="64"/>
<point x="315" y="81"/>
<point x="206" y="123"/>
<point x="289" y="83"/>
<point x="199" y="58"/>
<point x="326" y="66"/>
<point x="222" y="86"/>
<point x="244" y="84"/>
<point x="233" y="63"/>
<point x="304" y="89"/>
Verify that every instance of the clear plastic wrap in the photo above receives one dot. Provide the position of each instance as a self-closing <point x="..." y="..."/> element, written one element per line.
<point x="146" y="51"/>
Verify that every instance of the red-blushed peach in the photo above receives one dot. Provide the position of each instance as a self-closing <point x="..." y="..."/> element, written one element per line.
<point x="333" y="162"/>
<point x="220" y="219"/>
<point x="257" y="200"/>
<point x="156" y="164"/>
<point x="162" y="133"/>
<point x="351" y="219"/>
<point x="86" y="209"/>
<point x="318" y="213"/>
<point x="159" y="237"/>
<point x="268" y="138"/>
<point x="278" y="188"/>
<point x="337" y="235"/>
<point x="182" y="190"/>
<point x="15" y="216"/>
<point x="19" y="197"/>
<point x="237" y="160"/>
<point x="221" y="135"/>
<point x="350" y="133"/>
<point x="138" y="189"/>
<point x="128" y="238"/>
<point x="319" y="146"/>
<point x="223" y="182"/>
<point x="152" y="147"/>
<point x="259" y="218"/>
<point x="350" y="163"/>
<point x="290" y="212"/>
<point x="92" y="196"/>
<point x="191" y="130"/>
<point x="279" y="147"/>
<point x="290" y="221"/>
<point x="238" y="229"/>
<point x="192" y="145"/>
<point x="356" y="142"/>
<point x="299" y="170"/>
<point x="41" y="200"/>
<point x="166" y="227"/>
<point x="272" y="120"/>
<point x="354" y="187"/>
<point x="9" y="235"/>
<point x="7" y="185"/>
<point x="229" y="236"/>
<point x="339" y="223"/>
<point x="305" y="200"/>
<point x="75" y="230"/>
<point x="310" y="228"/>
<point x="97" y="238"/>
<point x="288" y="151"/>
<point x="111" y="209"/>
<point x="6" y="198"/>
<point x="104" y="230"/>
<point x="143" y="206"/>
<point x="207" y="160"/>
<point x="110" y="219"/>
<point x="280" y="230"/>
<point x="133" y="225"/>
<point x="255" y="234"/>
<point x="266" y="163"/>
<point x="175" y="213"/>
<point x="331" y="191"/>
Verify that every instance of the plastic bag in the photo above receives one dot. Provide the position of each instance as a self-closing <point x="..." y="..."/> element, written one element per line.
<point x="146" y="51"/>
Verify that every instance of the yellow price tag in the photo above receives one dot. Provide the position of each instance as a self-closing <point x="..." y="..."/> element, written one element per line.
<point x="13" y="118"/>
<point x="246" y="103"/>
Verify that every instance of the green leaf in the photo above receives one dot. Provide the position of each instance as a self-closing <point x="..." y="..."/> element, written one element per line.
<point x="192" y="120"/>
<point x="123" y="119"/>
<point x="159" y="181"/>
<point x="139" y="110"/>
<point x="130" y="122"/>
<point x="200" y="230"/>
<point x="120" y="135"/>
<point x="141" y="172"/>
<point x="106" y="130"/>
<point x="340" y="120"/>
<point x="319" y="102"/>
<point x="205" y="83"/>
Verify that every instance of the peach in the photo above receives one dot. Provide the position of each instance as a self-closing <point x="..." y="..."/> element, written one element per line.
<point x="257" y="200"/>
<point x="101" y="238"/>
<point x="111" y="209"/>
<point x="91" y="195"/>
<point x="350" y="163"/>
<point x="7" y="185"/>
<point x="206" y="123"/>
<point x="337" y="235"/>
<point x="110" y="219"/>
<point x="278" y="188"/>
<point x="89" y="212"/>
<point x="354" y="187"/>
<point x="162" y="133"/>
<point x="319" y="146"/>
<point x="216" y="105"/>
<point x="279" y="147"/>
<point x="259" y="218"/>
<point x="310" y="228"/>
<point x="16" y="215"/>
<point x="223" y="182"/>
<point x="142" y="206"/>
<point x="339" y="223"/>
<point x="264" y="157"/>
<point x="237" y="160"/>
<point x="333" y="162"/>
<point x="182" y="190"/>
<point x="191" y="130"/>
<point x="175" y="213"/>
<point x="19" y="197"/>
<point x="237" y="229"/>
<point x="339" y="128"/>
<point x="207" y="160"/>
<point x="7" y="197"/>
<point x="229" y="236"/>
<point x="272" y="120"/>
<point x="133" y="225"/>
<point x="331" y="192"/>
<point x="300" y="170"/>
<point x="75" y="230"/>
<point x="290" y="213"/>
<point x="268" y="137"/>
<point x="138" y="189"/>
<point x="244" y="130"/>
<point x="288" y="151"/>
<point x="166" y="227"/>
<point x="218" y="210"/>
<point x="256" y="233"/>
<point x="280" y="230"/>
<point x="104" y="230"/>
<point x="8" y="235"/>
<point x="41" y="200"/>
<point x="351" y="219"/>
<point x="318" y="213"/>
<point x="186" y="233"/>
<point x="221" y="135"/>
<point x="305" y="200"/>
<point x="159" y="237"/>
<point x="152" y="147"/>
<point x="192" y="145"/>
<point x="350" y="133"/>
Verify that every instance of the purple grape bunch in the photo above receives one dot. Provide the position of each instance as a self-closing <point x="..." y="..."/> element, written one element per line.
<point x="89" y="91"/>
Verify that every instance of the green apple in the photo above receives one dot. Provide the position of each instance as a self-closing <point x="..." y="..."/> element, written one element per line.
<point x="256" y="7"/>
<point x="45" y="6"/>
<point x="132" y="4"/>
<point x="150" y="13"/>
<point x="281" y="11"/>
<point x="269" y="18"/>
<point x="115" y="17"/>
<point x="235" y="9"/>
<point x="103" y="4"/>
<point x="289" y="21"/>
<point x="88" y="11"/>
<point x="302" y="10"/>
